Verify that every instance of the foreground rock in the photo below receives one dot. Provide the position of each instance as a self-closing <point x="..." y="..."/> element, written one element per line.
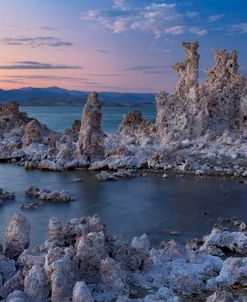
<point x="82" y="262"/>
<point x="17" y="236"/>
<point x="47" y="195"/>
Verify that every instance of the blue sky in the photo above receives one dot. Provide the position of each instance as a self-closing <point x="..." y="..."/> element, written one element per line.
<point x="112" y="45"/>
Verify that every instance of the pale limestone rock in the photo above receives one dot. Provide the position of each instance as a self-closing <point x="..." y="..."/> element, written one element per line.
<point x="37" y="285"/>
<point x="81" y="293"/>
<point x="91" y="137"/>
<point x="17" y="236"/>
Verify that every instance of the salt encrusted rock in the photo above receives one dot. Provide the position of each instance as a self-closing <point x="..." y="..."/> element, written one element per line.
<point x="142" y="246"/>
<point x="74" y="130"/>
<point x="37" y="285"/>
<point x="105" y="176"/>
<point x="81" y="293"/>
<point x="113" y="278"/>
<point x="17" y="236"/>
<point x="12" y="284"/>
<point x="232" y="273"/>
<point x="47" y="195"/>
<point x="55" y="230"/>
<point x="116" y="270"/>
<point x="164" y="294"/>
<point x="34" y="133"/>
<point x="17" y="296"/>
<point x="90" y="249"/>
<point x="219" y="242"/>
<point x="121" y="173"/>
<point x="64" y="274"/>
<point x="52" y="255"/>
<point x="30" y="258"/>
<point x="91" y="137"/>
<point x="221" y="296"/>
<point x="135" y="126"/>
<point x="217" y="105"/>
<point x="7" y="268"/>
<point x="188" y="72"/>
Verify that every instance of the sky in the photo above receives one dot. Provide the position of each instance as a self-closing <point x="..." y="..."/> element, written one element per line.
<point x="113" y="45"/>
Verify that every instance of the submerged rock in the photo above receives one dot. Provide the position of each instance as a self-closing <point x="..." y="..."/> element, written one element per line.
<point x="4" y="195"/>
<point x="47" y="195"/>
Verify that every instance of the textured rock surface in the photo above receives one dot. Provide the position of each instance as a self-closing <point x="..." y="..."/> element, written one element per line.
<point x="91" y="137"/>
<point x="81" y="293"/>
<point x="17" y="236"/>
<point x="36" y="284"/>
<point x="188" y="72"/>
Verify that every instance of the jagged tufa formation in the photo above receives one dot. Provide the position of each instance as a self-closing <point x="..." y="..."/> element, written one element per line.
<point x="218" y="105"/>
<point x="91" y="137"/>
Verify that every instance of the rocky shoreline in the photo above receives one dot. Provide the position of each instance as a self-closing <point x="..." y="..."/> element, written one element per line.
<point x="200" y="129"/>
<point x="81" y="261"/>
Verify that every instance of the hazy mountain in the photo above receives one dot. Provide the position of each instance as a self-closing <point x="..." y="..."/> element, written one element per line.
<point x="55" y="96"/>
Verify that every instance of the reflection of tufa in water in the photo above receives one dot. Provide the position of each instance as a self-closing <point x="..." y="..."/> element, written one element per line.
<point x="199" y="129"/>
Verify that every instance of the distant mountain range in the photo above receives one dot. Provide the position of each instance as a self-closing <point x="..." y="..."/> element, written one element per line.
<point x="55" y="96"/>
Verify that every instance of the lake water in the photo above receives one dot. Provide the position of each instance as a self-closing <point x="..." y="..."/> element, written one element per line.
<point x="59" y="118"/>
<point x="130" y="207"/>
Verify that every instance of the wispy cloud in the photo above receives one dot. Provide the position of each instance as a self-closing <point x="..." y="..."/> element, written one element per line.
<point x="41" y="41"/>
<point x="149" y="69"/>
<point x="180" y="30"/>
<point x="36" y="65"/>
<point x="238" y="28"/>
<point x="43" y="77"/>
<point x="215" y="18"/>
<point x="101" y="50"/>
<point x="51" y="28"/>
<point x="105" y="75"/>
<point x="155" y="18"/>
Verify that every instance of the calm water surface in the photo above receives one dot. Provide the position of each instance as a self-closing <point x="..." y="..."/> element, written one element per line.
<point x="131" y="207"/>
<point x="59" y="118"/>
